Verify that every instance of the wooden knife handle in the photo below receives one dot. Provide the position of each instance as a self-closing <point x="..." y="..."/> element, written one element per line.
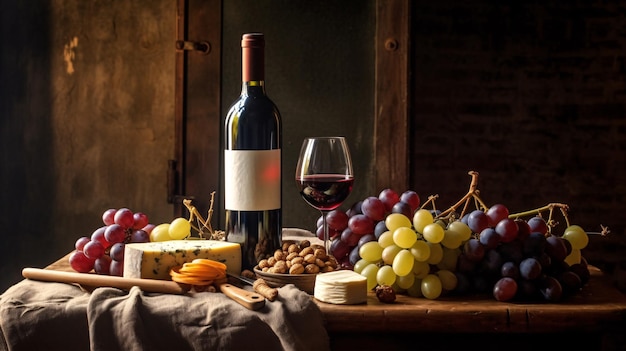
<point x="97" y="280"/>
<point x="249" y="299"/>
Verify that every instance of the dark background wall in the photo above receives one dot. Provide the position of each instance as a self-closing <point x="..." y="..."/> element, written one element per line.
<point x="529" y="95"/>
<point x="532" y="96"/>
<point x="87" y="107"/>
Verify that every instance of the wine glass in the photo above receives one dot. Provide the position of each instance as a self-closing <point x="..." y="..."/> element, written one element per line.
<point x="324" y="175"/>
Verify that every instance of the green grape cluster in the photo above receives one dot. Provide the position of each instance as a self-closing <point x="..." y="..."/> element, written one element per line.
<point x="416" y="256"/>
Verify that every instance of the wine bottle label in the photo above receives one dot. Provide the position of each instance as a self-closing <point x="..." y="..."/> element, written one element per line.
<point x="252" y="180"/>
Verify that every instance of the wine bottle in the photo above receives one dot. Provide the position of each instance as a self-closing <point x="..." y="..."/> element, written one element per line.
<point x="252" y="161"/>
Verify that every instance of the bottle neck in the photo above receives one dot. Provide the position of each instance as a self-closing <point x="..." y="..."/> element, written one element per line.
<point x="253" y="87"/>
<point x="253" y="62"/>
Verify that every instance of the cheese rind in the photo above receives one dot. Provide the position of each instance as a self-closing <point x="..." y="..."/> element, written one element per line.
<point x="343" y="287"/>
<point x="154" y="260"/>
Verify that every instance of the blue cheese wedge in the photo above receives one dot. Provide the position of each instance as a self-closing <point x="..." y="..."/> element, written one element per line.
<point x="154" y="260"/>
<point x="343" y="287"/>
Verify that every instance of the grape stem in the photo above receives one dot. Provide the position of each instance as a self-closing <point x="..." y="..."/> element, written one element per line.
<point x="205" y="224"/>
<point x="472" y="193"/>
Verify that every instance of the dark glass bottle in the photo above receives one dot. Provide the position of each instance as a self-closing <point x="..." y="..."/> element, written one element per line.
<point x="252" y="161"/>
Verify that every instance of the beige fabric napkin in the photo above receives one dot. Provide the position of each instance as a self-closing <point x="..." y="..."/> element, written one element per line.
<point x="56" y="316"/>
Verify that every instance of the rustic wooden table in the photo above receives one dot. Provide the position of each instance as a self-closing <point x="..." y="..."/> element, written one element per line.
<point x="594" y="319"/>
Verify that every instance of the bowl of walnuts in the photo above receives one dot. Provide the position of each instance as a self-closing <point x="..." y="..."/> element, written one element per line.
<point x="296" y="263"/>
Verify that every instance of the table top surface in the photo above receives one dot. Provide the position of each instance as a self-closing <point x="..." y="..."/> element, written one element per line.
<point x="597" y="307"/>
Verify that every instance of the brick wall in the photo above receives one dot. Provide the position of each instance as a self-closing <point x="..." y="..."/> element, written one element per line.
<point x="532" y="96"/>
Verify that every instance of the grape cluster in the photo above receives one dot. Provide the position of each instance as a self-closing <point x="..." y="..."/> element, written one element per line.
<point x="103" y="251"/>
<point x="391" y="241"/>
<point x="363" y="222"/>
<point x="515" y="259"/>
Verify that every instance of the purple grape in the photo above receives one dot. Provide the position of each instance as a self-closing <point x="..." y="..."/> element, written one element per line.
<point x="489" y="238"/>
<point x="477" y="221"/>
<point x="117" y="252"/>
<point x="374" y="208"/>
<point x="412" y="198"/>
<point x="102" y="265"/>
<point x="507" y="230"/>
<point x="538" y="224"/>
<point x="348" y="237"/>
<point x="337" y="220"/>
<point x="81" y="242"/>
<point x="403" y="208"/>
<point x="474" y="250"/>
<point x="551" y="289"/>
<point x="505" y="289"/>
<point x="361" y="224"/>
<point x="509" y="269"/>
<point x="530" y="268"/>
<point x="365" y="239"/>
<point x="496" y="213"/>
<point x="555" y="247"/>
<point x="389" y="197"/>
<point x="379" y="229"/>
<point x="93" y="250"/>
<point x="139" y="236"/>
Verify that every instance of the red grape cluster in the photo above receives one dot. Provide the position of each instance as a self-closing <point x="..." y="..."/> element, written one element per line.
<point x="364" y="222"/>
<point x="103" y="251"/>
<point x="515" y="259"/>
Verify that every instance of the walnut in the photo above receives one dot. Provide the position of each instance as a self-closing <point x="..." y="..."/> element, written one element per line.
<point x="293" y="248"/>
<point x="297" y="260"/>
<point x="311" y="268"/>
<point x="321" y="254"/>
<point x="279" y="255"/>
<point x="306" y="251"/>
<point x="280" y="267"/>
<point x="385" y="294"/>
<point x="297" y="268"/>
<point x="310" y="258"/>
<point x="263" y="264"/>
<point x="248" y="274"/>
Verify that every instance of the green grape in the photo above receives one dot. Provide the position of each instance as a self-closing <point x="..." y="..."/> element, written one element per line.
<point x="397" y="220"/>
<point x="449" y="259"/>
<point x="405" y="281"/>
<point x="370" y="272"/>
<point x="390" y="252"/>
<point x="385" y="239"/>
<point x="420" y="250"/>
<point x="576" y="236"/>
<point x="451" y="239"/>
<point x="403" y="263"/>
<point x="179" y="229"/>
<point x="415" y="290"/>
<point x="371" y="251"/>
<point x="448" y="279"/>
<point x="573" y="258"/>
<point x="160" y="232"/>
<point x="433" y="233"/>
<point x="465" y="233"/>
<point x="441" y="223"/>
<point x="421" y="219"/>
<point x="404" y="237"/>
<point x="431" y="287"/>
<point x="436" y="253"/>
<point x="385" y="276"/>
<point x="360" y="264"/>
<point x="420" y="269"/>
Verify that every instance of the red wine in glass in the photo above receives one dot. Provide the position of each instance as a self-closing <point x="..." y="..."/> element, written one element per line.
<point x="325" y="192"/>
<point x="324" y="175"/>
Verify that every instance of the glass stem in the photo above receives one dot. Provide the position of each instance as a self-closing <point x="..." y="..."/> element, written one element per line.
<point x="326" y="234"/>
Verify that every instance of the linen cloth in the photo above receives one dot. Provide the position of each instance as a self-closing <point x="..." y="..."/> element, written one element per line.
<point x="57" y="316"/>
